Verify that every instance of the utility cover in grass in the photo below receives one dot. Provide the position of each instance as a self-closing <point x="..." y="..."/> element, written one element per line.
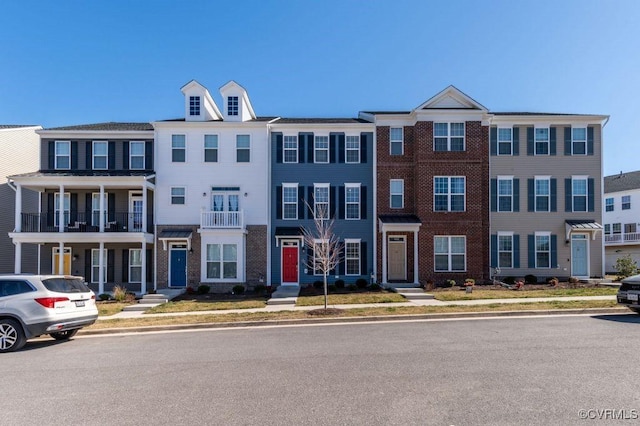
<point x="325" y="312"/>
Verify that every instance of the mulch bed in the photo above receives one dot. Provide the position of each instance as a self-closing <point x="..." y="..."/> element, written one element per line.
<point x="219" y="297"/>
<point x="524" y="288"/>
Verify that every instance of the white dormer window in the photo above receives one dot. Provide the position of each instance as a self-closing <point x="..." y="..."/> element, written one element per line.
<point x="232" y="106"/>
<point x="194" y="105"/>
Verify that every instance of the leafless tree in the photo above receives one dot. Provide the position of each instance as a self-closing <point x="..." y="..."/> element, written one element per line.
<point x="326" y="246"/>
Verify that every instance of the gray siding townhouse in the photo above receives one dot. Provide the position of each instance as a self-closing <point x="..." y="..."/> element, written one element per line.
<point x="545" y="195"/>
<point x="96" y="189"/>
<point x="321" y="165"/>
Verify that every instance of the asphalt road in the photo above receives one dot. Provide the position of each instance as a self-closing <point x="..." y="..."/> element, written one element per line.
<point x="511" y="371"/>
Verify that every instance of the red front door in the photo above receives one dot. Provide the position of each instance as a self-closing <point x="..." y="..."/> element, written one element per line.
<point x="290" y="265"/>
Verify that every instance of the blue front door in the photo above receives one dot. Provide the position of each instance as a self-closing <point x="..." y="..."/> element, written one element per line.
<point x="178" y="267"/>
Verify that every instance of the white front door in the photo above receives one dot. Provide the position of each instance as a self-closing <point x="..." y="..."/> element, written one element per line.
<point x="397" y="258"/>
<point x="580" y="255"/>
<point x="135" y="212"/>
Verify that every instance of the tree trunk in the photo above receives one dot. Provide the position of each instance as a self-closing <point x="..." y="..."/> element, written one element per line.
<point x="325" y="291"/>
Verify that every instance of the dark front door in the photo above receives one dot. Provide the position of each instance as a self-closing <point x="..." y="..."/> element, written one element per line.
<point x="178" y="267"/>
<point x="290" y="265"/>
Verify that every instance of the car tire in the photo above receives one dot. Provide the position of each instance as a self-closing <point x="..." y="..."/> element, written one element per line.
<point x="64" y="335"/>
<point x="12" y="336"/>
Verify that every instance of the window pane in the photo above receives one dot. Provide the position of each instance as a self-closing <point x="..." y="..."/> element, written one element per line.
<point x="230" y="270"/>
<point x="580" y="134"/>
<point x="395" y="134"/>
<point x="243" y="141"/>
<point x="135" y="257"/>
<point x="542" y="135"/>
<point x="210" y="141"/>
<point x="457" y="129"/>
<point x="213" y="269"/>
<point x="213" y="252"/>
<point x="136" y="148"/>
<point x="441" y="245"/>
<point x="99" y="148"/>
<point x="442" y="263"/>
<point x="177" y="141"/>
<point x="440" y="129"/>
<point x="229" y="252"/>
<point x="63" y="148"/>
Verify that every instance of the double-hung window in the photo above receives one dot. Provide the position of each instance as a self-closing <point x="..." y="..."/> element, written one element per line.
<point x="396" y="189"/>
<point x="542" y="194"/>
<point x="210" y="148"/>
<point x="626" y="202"/>
<point x="543" y="250"/>
<point x="352" y="148"/>
<point x="100" y="155"/>
<point x="579" y="194"/>
<point x="607" y="229"/>
<point x="608" y="205"/>
<point x="135" y="265"/>
<point x="321" y="203"/>
<point x="232" y="105"/>
<point x="63" y="155"/>
<point x="136" y="155"/>
<point x="541" y="140"/>
<point x="290" y="148"/>
<point x="243" y="148"/>
<point x="505" y="250"/>
<point x="352" y="257"/>
<point x="396" y="141"/>
<point x="617" y="228"/>
<point x="222" y="261"/>
<point x="450" y="253"/>
<point x="194" y="105"/>
<point x="178" y="195"/>
<point x="630" y="228"/>
<point x="449" y="193"/>
<point x="579" y="141"/>
<point x="321" y="149"/>
<point x="448" y="136"/>
<point x="290" y="201"/>
<point x="505" y="194"/>
<point x="352" y="201"/>
<point x="505" y="141"/>
<point x="178" y="148"/>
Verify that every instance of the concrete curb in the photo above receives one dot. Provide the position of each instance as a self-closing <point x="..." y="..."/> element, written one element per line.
<point x="339" y="320"/>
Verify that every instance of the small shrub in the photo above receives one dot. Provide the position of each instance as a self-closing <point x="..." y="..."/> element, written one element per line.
<point x="340" y="283"/>
<point x="130" y="297"/>
<point x="626" y="266"/>
<point x="469" y="282"/>
<point x="509" y="280"/>
<point x="318" y="285"/>
<point x="375" y="287"/>
<point x="191" y="290"/>
<point x="120" y="293"/>
<point x="573" y="282"/>
<point x="449" y="283"/>
<point x="361" y="283"/>
<point x="429" y="285"/>
<point x="553" y="281"/>
<point x="104" y="296"/>
<point x="238" y="289"/>
<point x="203" y="289"/>
<point x="530" y="279"/>
<point x="260" y="289"/>
<point x="331" y="288"/>
<point x="352" y="287"/>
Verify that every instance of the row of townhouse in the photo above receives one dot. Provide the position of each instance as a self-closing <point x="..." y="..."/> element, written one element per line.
<point x="221" y="196"/>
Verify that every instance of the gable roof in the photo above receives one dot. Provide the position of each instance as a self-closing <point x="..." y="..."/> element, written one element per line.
<point x="451" y="98"/>
<point x="230" y="85"/>
<point x="622" y="182"/>
<point x="207" y="97"/>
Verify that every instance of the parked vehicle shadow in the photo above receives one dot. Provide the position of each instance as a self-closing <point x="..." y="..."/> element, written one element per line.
<point x="41" y="343"/>
<point x="628" y="318"/>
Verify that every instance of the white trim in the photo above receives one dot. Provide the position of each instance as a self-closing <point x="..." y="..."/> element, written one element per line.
<point x="55" y="155"/>
<point x="346" y="203"/>
<point x="285" y="149"/>
<point x="290" y="185"/>
<point x="93" y="155"/>
<point x="144" y="159"/>
<point x="449" y="253"/>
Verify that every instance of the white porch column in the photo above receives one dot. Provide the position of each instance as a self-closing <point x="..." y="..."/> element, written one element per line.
<point x="61" y="212"/>
<point x="101" y="276"/>
<point x="143" y="270"/>
<point x="144" y="208"/>
<point x="60" y="258"/>
<point x="101" y="211"/>
<point x="18" y="209"/>
<point x="416" y="280"/>
<point x="18" y="258"/>
<point x="384" y="256"/>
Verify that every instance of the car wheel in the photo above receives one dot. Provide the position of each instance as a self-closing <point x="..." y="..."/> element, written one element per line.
<point x="11" y="335"/>
<point x="64" y="335"/>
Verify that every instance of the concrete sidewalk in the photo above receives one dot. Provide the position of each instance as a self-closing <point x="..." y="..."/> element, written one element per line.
<point x="427" y="302"/>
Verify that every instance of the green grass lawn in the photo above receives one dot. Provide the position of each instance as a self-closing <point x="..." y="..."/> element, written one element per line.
<point x="110" y="308"/>
<point x="479" y="293"/>
<point x="351" y="298"/>
<point x="196" y="305"/>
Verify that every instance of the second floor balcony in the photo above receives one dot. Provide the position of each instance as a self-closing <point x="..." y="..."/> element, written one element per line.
<point x="222" y="219"/>
<point x="85" y="222"/>
<point x="622" y="238"/>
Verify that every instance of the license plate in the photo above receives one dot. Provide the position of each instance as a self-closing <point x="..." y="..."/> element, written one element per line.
<point x="632" y="296"/>
<point x="80" y="303"/>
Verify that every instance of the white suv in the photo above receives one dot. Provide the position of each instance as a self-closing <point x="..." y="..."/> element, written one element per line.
<point x="32" y="305"/>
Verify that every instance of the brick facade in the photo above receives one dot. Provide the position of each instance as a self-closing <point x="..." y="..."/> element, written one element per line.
<point x="256" y="255"/>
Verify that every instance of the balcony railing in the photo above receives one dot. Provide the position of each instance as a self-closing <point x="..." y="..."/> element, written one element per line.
<point x="628" y="238"/>
<point x="85" y="222"/>
<point x="216" y="220"/>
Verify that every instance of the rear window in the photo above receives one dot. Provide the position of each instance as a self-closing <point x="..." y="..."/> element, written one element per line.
<point x="66" y="285"/>
<point x="9" y="288"/>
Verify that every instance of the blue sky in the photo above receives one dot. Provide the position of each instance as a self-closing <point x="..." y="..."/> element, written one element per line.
<point x="76" y="62"/>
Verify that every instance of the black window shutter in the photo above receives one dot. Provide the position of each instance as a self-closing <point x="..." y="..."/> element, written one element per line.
<point x="111" y="199"/>
<point x="125" y="155"/>
<point x="567" y="196"/>
<point x="73" y="207"/>
<point x="301" y="205"/>
<point x="112" y="156"/>
<point x="494" y="250"/>
<point x="341" y="202"/>
<point x="364" y="267"/>
<point x="279" y="202"/>
<point x="516" y="141"/>
<point x="148" y="155"/>
<point x="310" y="264"/>
<point x="516" y="195"/>
<point x="553" y="194"/>
<point x="589" y="140"/>
<point x="50" y="208"/>
<point x="301" y="147"/>
<point x="310" y="147"/>
<point x="493" y="141"/>
<point x="590" y="194"/>
<point x="363" y="202"/>
<point x="341" y="266"/>
<point x="149" y="265"/>
<point x="52" y="155"/>
<point x="530" y="144"/>
<point x="310" y="200"/>
<point x="552" y="141"/>
<point x="567" y="141"/>
<point x="531" y="195"/>
<point x="74" y="155"/>
<point x="516" y="251"/>
<point x="364" y="141"/>
<point x="333" y="147"/>
<point x="110" y="265"/>
<point x="125" y="265"/>
<point x="87" y="208"/>
<point x="277" y="140"/>
<point x="89" y="155"/>
<point x="332" y="201"/>
<point x="494" y="195"/>
<point x="532" y="250"/>
<point x="554" y="251"/>
<point x="87" y="265"/>
<point x="341" y="152"/>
